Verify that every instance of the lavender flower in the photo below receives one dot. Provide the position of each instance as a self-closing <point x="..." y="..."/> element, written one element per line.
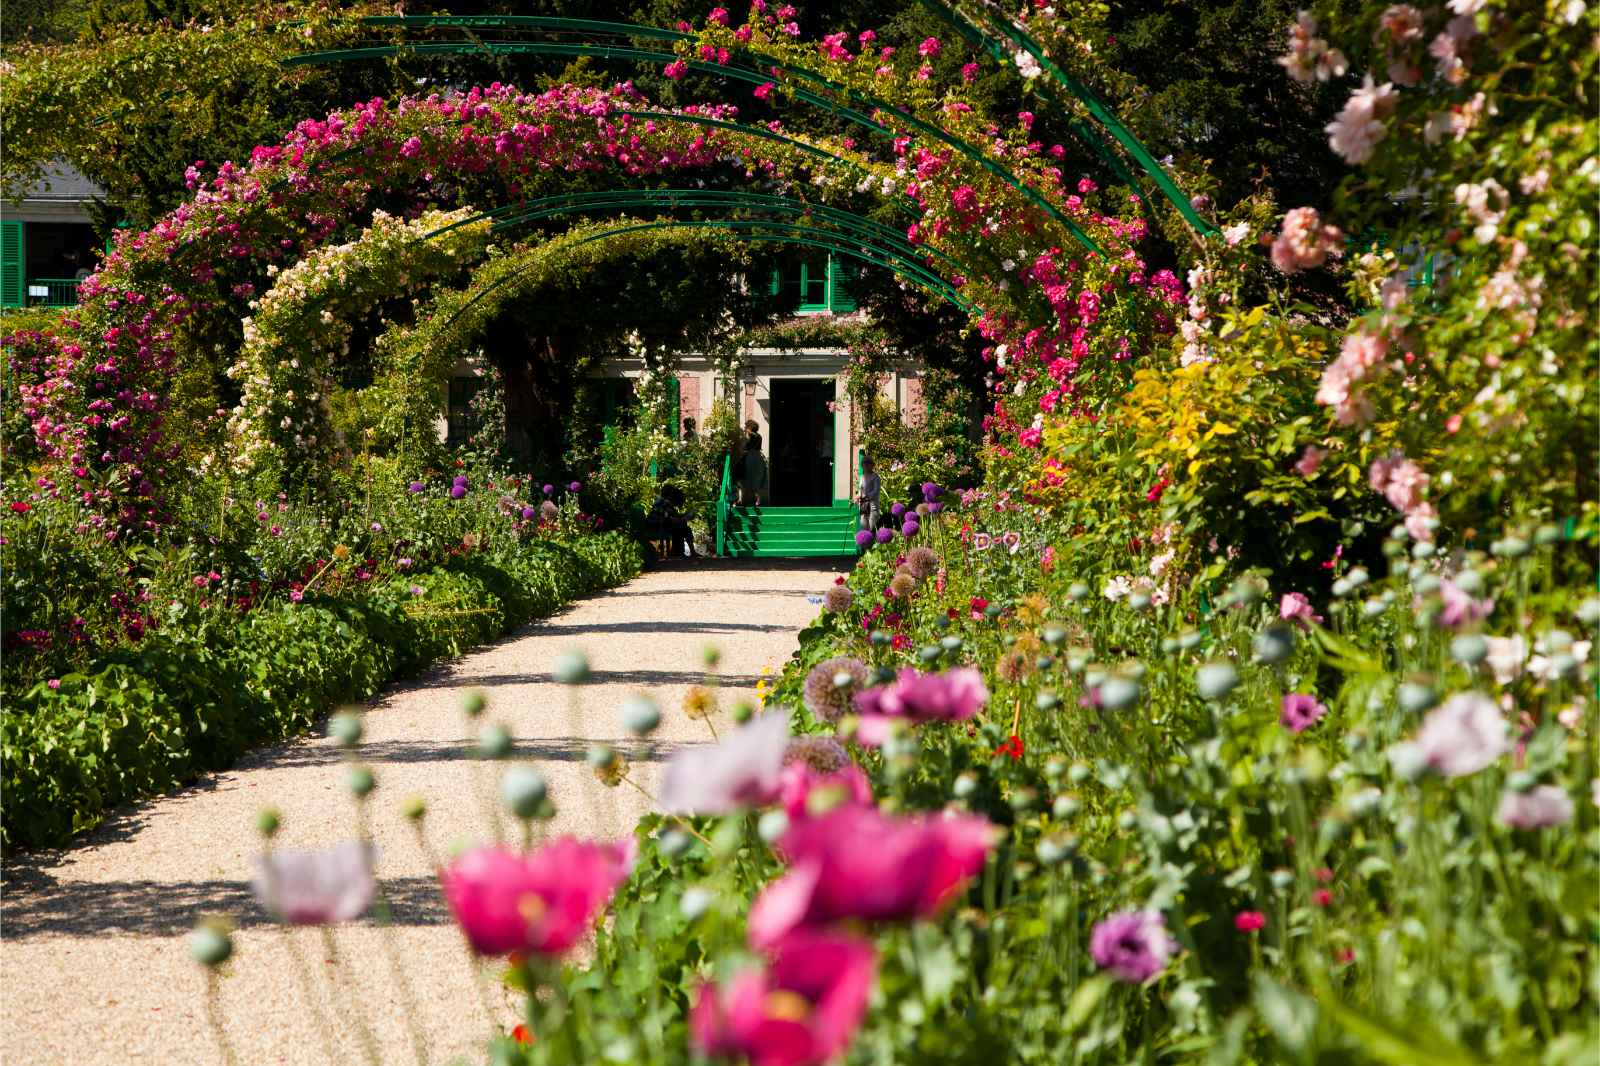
<point x="1300" y="712"/>
<point x="316" y="887"/>
<point x="1133" y="945"/>
<point x="824" y="696"/>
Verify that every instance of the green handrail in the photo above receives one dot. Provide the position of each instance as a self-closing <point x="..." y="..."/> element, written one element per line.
<point x="724" y="500"/>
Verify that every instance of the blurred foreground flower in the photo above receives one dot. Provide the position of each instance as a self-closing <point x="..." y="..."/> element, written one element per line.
<point x="316" y="887"/>
<point x="856" y="862"/>
<point x="543" y="902"/>
<point x="1133" y="945"/>
<point x="799" y="1011"/>
<point x="742" y="771"/>
<point x="1464" y="735"/>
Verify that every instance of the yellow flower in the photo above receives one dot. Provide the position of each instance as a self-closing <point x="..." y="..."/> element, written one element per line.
<point x="699" y="702"/>
<point x="341" y="552"/>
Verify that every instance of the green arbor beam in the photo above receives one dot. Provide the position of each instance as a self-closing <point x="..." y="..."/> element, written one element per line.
<point x="1003" y="26"/>
<point x="755" y="77"/>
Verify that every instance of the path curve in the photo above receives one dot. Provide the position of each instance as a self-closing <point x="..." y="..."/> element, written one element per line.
<point x="93" y="961"/>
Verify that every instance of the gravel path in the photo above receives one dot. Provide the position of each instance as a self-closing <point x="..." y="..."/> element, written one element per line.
<point x="93" y="962"/>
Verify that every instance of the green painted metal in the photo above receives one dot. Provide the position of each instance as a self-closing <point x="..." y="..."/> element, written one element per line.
<point x="1097" y="108"/>
<point x="724" y="500"/>
<point x="756" y="77"/>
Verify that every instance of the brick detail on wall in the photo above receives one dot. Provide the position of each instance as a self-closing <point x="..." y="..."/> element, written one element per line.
<point x="915" y="412"/>
<point x="689" y="402"/>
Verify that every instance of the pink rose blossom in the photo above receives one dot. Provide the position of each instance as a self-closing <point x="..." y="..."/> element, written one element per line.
<point x="1359" y="127"/>
<point x="1304" y="242"/>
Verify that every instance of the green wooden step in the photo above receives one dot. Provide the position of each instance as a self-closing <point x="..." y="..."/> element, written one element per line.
<point x="778" y="532"/>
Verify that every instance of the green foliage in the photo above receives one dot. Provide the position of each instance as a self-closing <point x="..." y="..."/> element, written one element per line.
<point x="193" y="698"/>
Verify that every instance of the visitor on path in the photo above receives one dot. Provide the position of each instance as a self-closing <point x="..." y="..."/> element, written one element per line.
<point x="667" y="523"/>
<point x="688" y="431"/>
<point x="867" y="494"/>
<point x="753" y="479"/>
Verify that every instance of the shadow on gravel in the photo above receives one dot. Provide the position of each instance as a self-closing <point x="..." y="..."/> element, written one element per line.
<point x="38" y="905"/>
<point x="641" y="678"/>
<point x="668" y="627"/>
<point x="379" y="752"/>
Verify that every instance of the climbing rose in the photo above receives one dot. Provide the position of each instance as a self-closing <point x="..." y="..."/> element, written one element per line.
<point x="856" y="862"/>
<point x="1357" y="129"/>
<point x="801" y="1010"/>
<point x="316" y="887"/>
<point x="675" y="69"/>
<point x="742" y="771"/>
<point x="1310" y="460"/>
<point x="928" y="48"/>
<point x="1304" y="242"/>
<point x="1537" y="808"/>
<point x="543" y="902"/>
<point x="764" y="91"/>
<point x="718" y="16"/>
<point x="1133" y="945"/>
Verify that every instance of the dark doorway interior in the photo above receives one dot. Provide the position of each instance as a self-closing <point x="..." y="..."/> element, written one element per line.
<point x="802" y="446"/>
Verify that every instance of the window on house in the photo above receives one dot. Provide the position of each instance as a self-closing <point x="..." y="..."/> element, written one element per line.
<point x="818" y="283"/>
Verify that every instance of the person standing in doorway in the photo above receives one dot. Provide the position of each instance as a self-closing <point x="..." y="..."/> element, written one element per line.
<point x="754" y="480"/>
<point x="688" y="431"/>
<point x="867" y="494"/>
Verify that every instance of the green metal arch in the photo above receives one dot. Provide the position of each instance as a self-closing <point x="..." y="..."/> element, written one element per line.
<point x="755" y="77"/>
<point x="785" y="233"/>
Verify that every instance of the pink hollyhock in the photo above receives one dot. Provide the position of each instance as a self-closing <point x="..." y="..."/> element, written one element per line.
<point x="1296" y="608"/>
<point x="801" y="1010"/>
<point x="952" y="696"/>
<point x="316" y="887"/>
<point x="856" y="862"/>
<point x="742" y="771"/>
<point x="543" y="902"/>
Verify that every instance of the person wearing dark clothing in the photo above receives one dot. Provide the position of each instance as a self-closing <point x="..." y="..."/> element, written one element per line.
<point x="753" y="475"/>
<point x="667" y="522"/>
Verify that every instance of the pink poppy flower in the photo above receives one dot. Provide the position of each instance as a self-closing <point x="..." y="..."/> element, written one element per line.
<point x="1537" y="808"/>
<point x="856" y="862"/>
<point x="1296" y="608"/>
<point x="953" y="696"/>
<point x="541" y="902"/>
<point x="800" y="780"/>
<point x="801" y="1010"/>
<point x="742" y="771"/>
<point x="316" y="887"/>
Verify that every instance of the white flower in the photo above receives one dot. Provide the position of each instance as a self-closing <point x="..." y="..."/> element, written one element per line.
<point x="1117" y="588"/>
<point x="1027" y="66"/>
<point x="1159" y="564"/>
<point x="1506" y="656"/>
<point x="1236" y="233"/>
<point x="1464" y="735"/>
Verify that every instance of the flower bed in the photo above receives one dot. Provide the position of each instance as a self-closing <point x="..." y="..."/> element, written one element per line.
<point x="187" y="699"/>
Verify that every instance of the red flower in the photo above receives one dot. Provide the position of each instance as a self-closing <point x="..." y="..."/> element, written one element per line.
<point x="1154" y="495"/>
<point x="1249" y="921"/>
<point x="1012" y="747"/>
<point x="522" y="1034"/>
<point x="1346" y="955"/>
<point x="1322" y="874"/>
<point x="21" y="508"/>
<point x="1322" y="897"/>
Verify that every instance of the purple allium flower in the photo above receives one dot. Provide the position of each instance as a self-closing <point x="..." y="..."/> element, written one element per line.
<point x="316" y="887"/>
<point x="935" y="507"/>
<point x="576" y="486"/>
<point x="930" y="491"/>
<point x="838" y="599"/>
<point x="549" y="490"/>
<point x="1300" y="712"/>
<point x="823" y="754"/>
<point x="457" y="491"/>
<point x="415" y="487"/>
<point x="863" y="537"/>
<point x="404" y="563"/>
<point x="1463" y="735"/>
<point x="922" y="561"/>
<point x="1537" y="808"/>
<point x="1133" y="945"/>
<point x="827" y="700"/>
<point x="910" y="529"/>
<point x="885" y="535"/>
<point x="460" y="479"/>
<point x="898" y="509"/>
<point x="528" y="513"/>
<point x="549" y="511"/>
<point x="418" y="590"/>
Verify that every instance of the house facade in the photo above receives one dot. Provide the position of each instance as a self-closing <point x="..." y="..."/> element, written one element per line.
<point x="47" y="240"/>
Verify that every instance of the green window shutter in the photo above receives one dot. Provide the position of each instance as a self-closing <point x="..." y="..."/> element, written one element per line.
<point x="12" y="290"/>
<point x="676" y="394"/>
<point x="840" y="301"/>
<point x="775" y="286"/>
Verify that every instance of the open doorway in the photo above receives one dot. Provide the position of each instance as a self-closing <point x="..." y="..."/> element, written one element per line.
<point x="802" y="444"/>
